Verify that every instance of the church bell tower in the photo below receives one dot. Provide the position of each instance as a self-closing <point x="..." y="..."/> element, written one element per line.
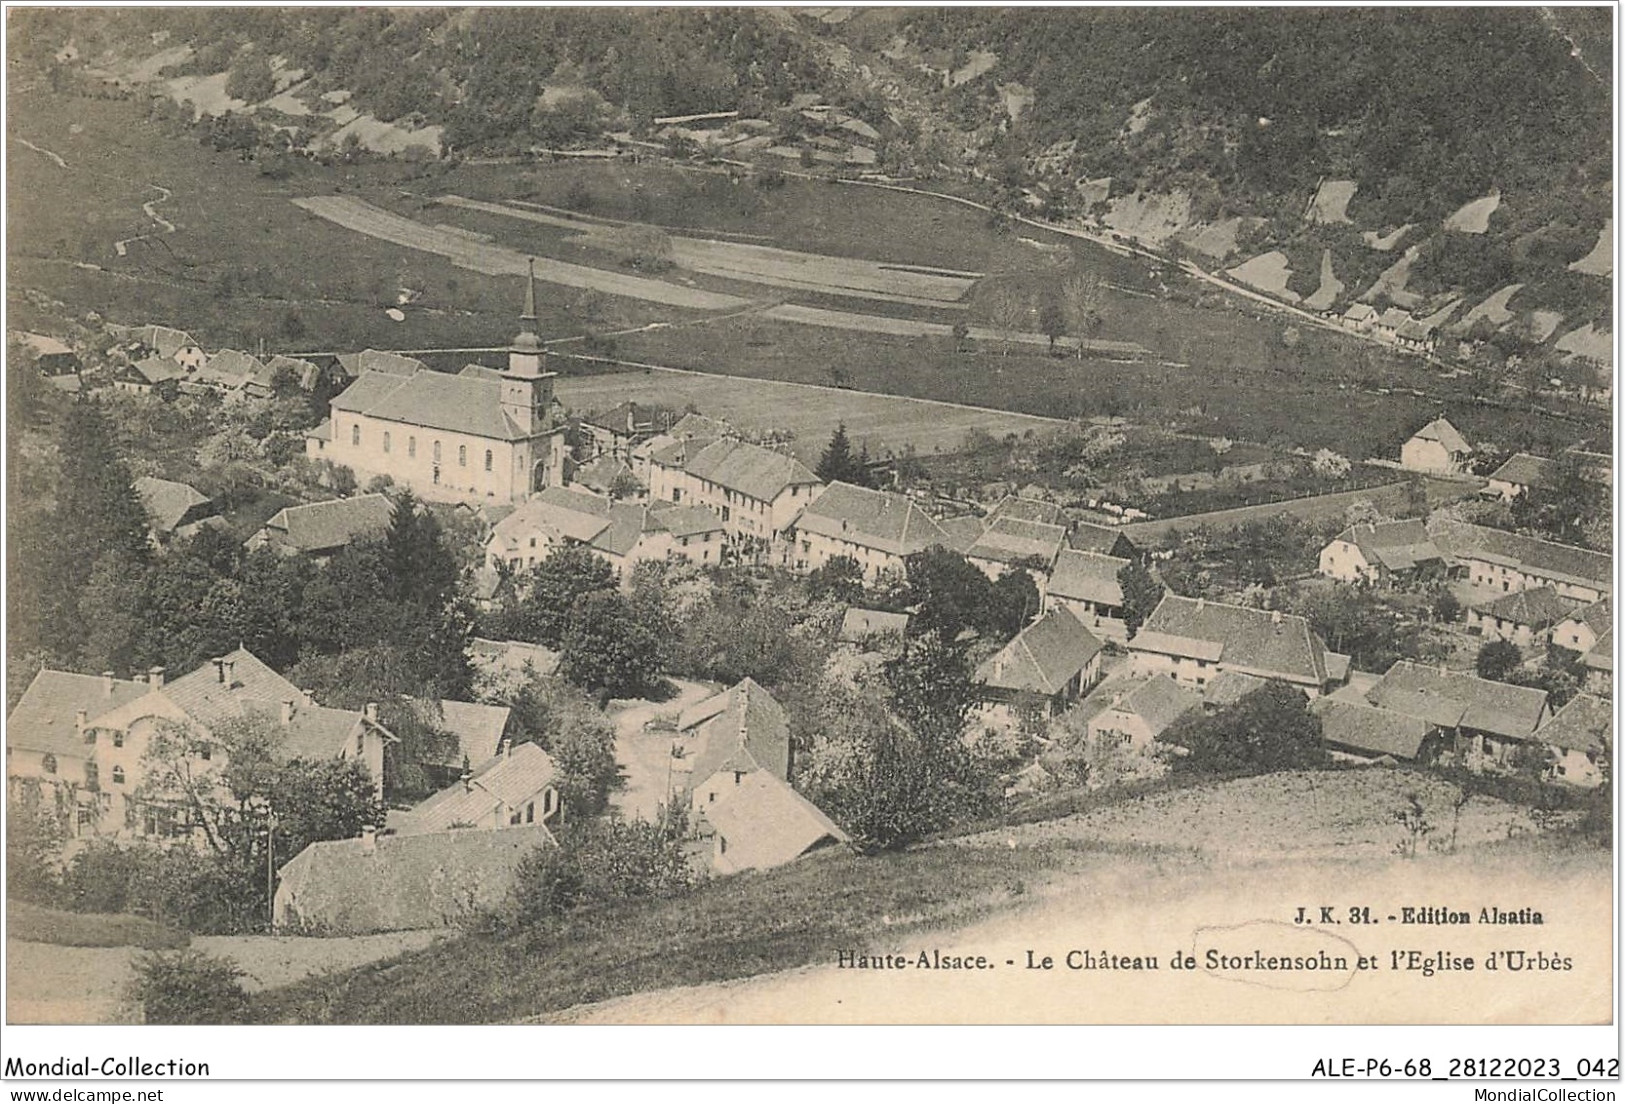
<point x="527" y="391"/>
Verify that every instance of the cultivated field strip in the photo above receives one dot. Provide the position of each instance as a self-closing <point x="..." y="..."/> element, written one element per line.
<point x="774" y="267"/>
<point x="884" y="423"/>
<point x="497" y="260"/>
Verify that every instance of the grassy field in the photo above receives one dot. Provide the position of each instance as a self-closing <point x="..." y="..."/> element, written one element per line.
<point x="801" y="914"/>
<point x="884" y="424"/>
<point x="38" y="924"/>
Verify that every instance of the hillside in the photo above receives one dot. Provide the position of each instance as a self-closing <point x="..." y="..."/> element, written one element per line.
<point x="1455" y="163"/>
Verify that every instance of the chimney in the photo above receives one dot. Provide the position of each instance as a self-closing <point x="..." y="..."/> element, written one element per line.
<point x="107" y="684"/>
<point x="369" y="839"/>
<point x="81" y="720"/>
<point x="369" y="712"/>
<point x="287" y="712"/>
<point x="227" y="667"/>
<point x="220" y="669"/>
<point x="155" y="677"/>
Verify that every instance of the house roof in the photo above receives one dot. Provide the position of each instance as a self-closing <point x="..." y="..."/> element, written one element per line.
<point x="1393" y="318"/>
<point x="313" y="732"/>
<point x="602" y="474"/>
<point x="164" y="340"/>
<point x="45" y="720"/>
<point x="1538" y="607"/>
<point x="742" y="729"/>
<point x="1585" y="724"/>
<point x="961" y="532"/>
<point x="1043" y="657"/>
<point x="1359" y="312"/>
<point x="882" y="520"/>
<point x="512" y="655"/>
<point x="320" y="526"/>
<point x="766" y="823"/>
<point x="44" y="345"/>
<point x="1524" y="470"/>
<point x="1086" y="536"/>
<point x="1414" y="329"/>
<point x="560" y="512"/>
<point x="156" y="369"/>
<point x="1442" y="431"/>
<point x="674" y="452"/>
<point x="436" y="400"/>
<point x="1370" y="730"/>
<point x="1011" y="540"/>
<point x="1598" y="616"/>
<point x="698" y="425"/>
<point x="1159" y="701"/>
<point x="1087" y="577"/>
<point x="168" y="502"/>
<point x="748" y="469"/>
<point x="1229" y="687"/>
<point x="629" y="419"/>
<point x="1261" y="642"/>
<point x="304" y="372"/>
<point x="1450" y="698"/>
<point x="401" y="882"/>
<point x="1027" y="509"/>
<point x="859" y="624"/>
<point x="685" y="521"/>
<point x="233" y="368"/>
<point x="1396" y="545"/>
<point x="371" y="360"/>
<point x="477" y="727"/>
<point x="508" y="780"/>
<point x="209" y="695"/>
<point x="1561" y="562"/>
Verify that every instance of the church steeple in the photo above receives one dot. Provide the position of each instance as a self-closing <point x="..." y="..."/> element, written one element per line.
<point x="525" y="354"/>
<point x="527" y="391"/>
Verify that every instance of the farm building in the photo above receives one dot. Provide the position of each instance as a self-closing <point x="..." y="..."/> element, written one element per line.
<point x="1048" y="666"/>
<point x="607" y="475"/>
<point x="1506" y="562"/>
<point x="754" y="490"/>
<point x="1599" y="666"/>
<point x="762" y="822"/>
<point x="518" y="786"/>
<point x="1086" y="583"/>
<point x="1194" y="640"/>
<point x="1141" y="714"/>
<point x="1520" y="473"/>
<point x="174" y="510"/>
<point x="1483" y="723"/>
<point x="616" y="431"/>
<point x="1583" y="629"/>
<point x="1384" y="552"/>
<point x="1103" y="540"/>
<point x="322" y="528"/>
<point x="1014" y="543"/>
<point x="1523" y="617"/>
<point x="624" y="533"/>
<point x="1437" y="448"/>
<point x="1580" y="738"/>
<point x="876" y="528"/>
<point x="400" y="883"/>
<point x="1365" y="733"/>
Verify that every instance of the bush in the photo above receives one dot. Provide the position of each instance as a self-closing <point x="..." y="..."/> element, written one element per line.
<point x="188" y="987"/>
<point x="595" y="863"/>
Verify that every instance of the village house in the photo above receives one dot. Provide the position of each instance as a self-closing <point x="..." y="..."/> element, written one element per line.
<point x="608" y="475"/>
<point x="1583" y="629"/>
<point x="1524" y="617"/>
<point x="515" y="787"/>
<point x="175" y="511"/>
<point x="1416" y="335"/>
<point x="1049" y="665"/>
<point x="1598" y="666"/>
<point x="761" y="823"/>
<point x="1008" y="543"/>
<point x="473" y="734"/>
<point x="465" y="437"/>
<point x="1086" y="583"/>
<point x="115" y="730"/>
<point x="1229" y="687"/>
<point x="1103" y="540"/>
<point x="623" y="533"/>
<point x="1519" y="474"/>
<point x="690" y="426"/>
<point x="878" y="529"/>
<point x="1387" y="325"/>
<point x="1498" y="560"/>
<point x="1357" y="732"/>
<point x="1437" y="448"/>
<point x="617" y="431"/>
<point x="1580" y="738"/>
<point x="754" y="490"/>
<point x="724" y="740"/>
<point x="322" y="528"/>
<point x="234" y="374"/>
<point x="167" y="343"/>
<point x="1359" y="317"/>
<point x="400" y="883"/>
<point x="55" y="359"/>
<point x="355" y="365"/>
<point x="1382" y="553"/>
<point x="1193" y="640"/>
<point x="145" y="375"/>
<point x="1142" y="713"/>
<point x="1482" y="724"/>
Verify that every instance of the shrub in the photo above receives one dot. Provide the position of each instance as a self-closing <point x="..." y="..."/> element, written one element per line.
<point x="595" y="863"/>
<point x="188" y="987"/>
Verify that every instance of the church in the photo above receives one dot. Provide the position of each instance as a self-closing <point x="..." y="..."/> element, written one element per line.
<point x="482" y="435"/>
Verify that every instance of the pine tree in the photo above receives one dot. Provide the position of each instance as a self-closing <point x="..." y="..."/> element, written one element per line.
<point x="837" y="463"/>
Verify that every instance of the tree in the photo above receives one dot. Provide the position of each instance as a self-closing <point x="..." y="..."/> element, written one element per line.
<point x="951" y="593"/>
<point x="1497" y="659"/>
<point x="36" y="829"/>
<point x="189" y="987"/>
<point x="1269" y="729"/>
<point x="1082" y="298"/>
<point x="840" y="464"/>
<point x="1142" y="593"/>
<point x="596" y="863"/>
<point x="1051" y="320"/>
<point x="839" y="579"/>
<point x="1011" y="602"/>
<point x="1002" y="306"/>
<point x="551" y="590"/>
<point x="1446" y="606"/>
<point x="420" y="565"/>
<point x="606" y="651"/>
<point x="1560" y="507"/>
<point x="563" y="722"/>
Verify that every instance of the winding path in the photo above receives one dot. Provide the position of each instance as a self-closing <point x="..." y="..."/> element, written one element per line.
<point x="40" y="149"/>
<point x="168" y="227"/>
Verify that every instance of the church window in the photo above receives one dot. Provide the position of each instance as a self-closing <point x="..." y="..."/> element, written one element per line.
<point x="386" y="440"/>
<point x="355" y="435"/>
<point x="462" y="456"/>
<point x="437" y="452"/>
<point x="488" y="459"/>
